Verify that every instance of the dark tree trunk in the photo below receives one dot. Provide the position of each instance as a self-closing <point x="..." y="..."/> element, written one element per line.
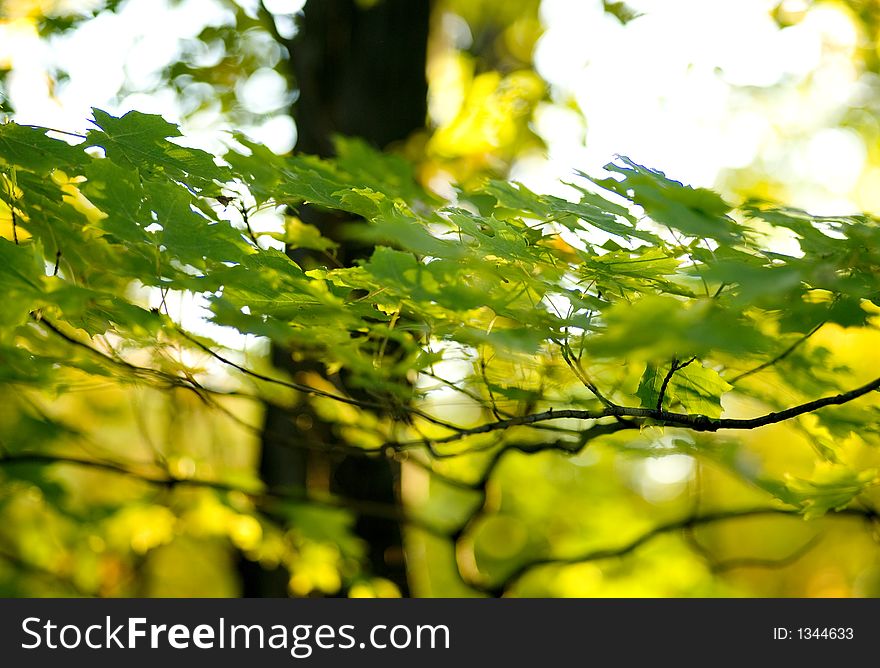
<point x="360" y="72"/>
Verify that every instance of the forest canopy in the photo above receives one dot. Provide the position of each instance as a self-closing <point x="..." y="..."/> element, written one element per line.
<point x="492" y="344"/>
<point x="439" y="298"/>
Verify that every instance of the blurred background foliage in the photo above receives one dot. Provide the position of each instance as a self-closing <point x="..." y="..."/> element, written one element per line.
<point x="761" y="100"/>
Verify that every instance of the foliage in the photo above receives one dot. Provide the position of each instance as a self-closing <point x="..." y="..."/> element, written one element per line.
<point x="640" y="316"/>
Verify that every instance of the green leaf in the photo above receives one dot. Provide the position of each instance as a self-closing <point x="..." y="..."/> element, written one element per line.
<point x="696" y="212"/>
<point x="22" y="275"/>
<point x="392" y="223"/>
<point x="119" y="194"/>
<point x="657" y="326"/>
<point x="832" y="487"/>
<point x="140" y="141"/>
<point x="379" y="171"/>
<point x="649" y="386"/>
<point x="29" y="148"/>
<point x="621" y="11"/>
<point x="187" y="235"/>
<point x="298" y="234"/>
<point x="692" y="388"/>
<point x="699" y="389"/>
<point x="517" y="198"/>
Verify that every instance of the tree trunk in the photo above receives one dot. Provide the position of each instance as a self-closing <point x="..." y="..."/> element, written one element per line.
<point x="360" y="71"/>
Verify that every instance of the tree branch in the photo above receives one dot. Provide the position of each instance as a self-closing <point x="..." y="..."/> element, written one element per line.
<point x="564" y="446"/>
<point x="514" y="577"/>
<point x="690" y="421"/>
<point x="723" y="565"/>
<point x="717" y="565"/>
<point x="260" y="497"/>
<point x="686" y="420"/>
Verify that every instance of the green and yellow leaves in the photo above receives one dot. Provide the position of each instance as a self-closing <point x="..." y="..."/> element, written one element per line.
<point x="474" y="276"/>
<point x="502" y="270"/>
<point x="657" y="326"/>
<point x="626" y="272"/>
<point x="513" y="200"/>
<point x="832" y="487"/>
<point x="298" y="234"/>
<point x="381" y="172"/>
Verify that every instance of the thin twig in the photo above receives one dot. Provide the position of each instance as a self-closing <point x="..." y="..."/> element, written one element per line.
<point x="56" y="130"/>
<point x="247" y="223"/>
<point x="675" y="366"/>
<point x="717" y="565"/>
<point x="308" y="389"/>
<point x="488" y="385"/>
<point x="695" y="422"/>
<point x="14" y="223"/>
<point x="781" y="356"/>
<point x="465" y="392"/>
<point x="579" y="372"/>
